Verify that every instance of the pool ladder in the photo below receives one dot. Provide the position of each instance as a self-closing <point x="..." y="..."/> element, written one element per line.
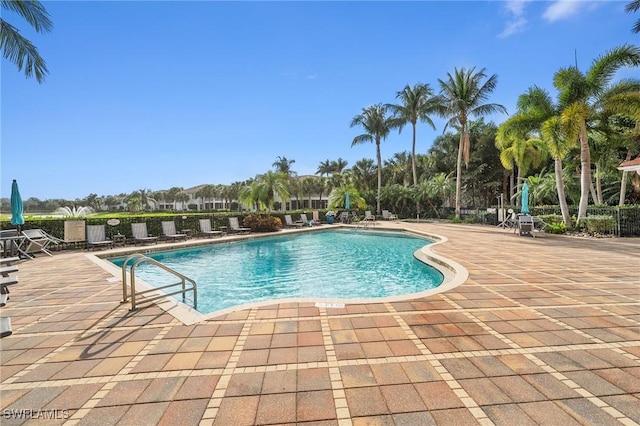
<point x="137" y="259"/>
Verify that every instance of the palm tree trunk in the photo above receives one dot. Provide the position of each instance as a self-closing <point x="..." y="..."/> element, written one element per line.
<point x="623" y="184"/>
<point x="459" y="175"/>
<point x="562" y="199"/>
<point x="414" y="168"/>
<point x="585" y="173"/>
<point x="599" y="184"/>
<point x="512" y="184"/>
<point x="379" y="175"/>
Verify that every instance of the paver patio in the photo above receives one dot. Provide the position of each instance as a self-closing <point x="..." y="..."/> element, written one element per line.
<point x="546" y="330"/>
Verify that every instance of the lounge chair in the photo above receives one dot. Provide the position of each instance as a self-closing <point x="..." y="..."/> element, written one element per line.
<point x="316" y="218"/>
<point x="206" y="231"/>
<point x="344" y="217"/>
<point x="141" y="235"/>
<point x="234" y="226"/>
<point x="387" y="215"/>
<point x="169" y="231"/>
<point x="96" y="237"/>
<point x="38" y="241"/>
<point x="288" y="222"/>
<point x="369" y="217"/>
<point x="304" y="220"/>
<point x="525" y="225"/>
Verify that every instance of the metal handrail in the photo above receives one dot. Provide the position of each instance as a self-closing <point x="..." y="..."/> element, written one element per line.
<point x="140" y="258"/>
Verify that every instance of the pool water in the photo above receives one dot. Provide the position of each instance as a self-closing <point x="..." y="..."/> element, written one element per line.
<point x="343" y="264"/>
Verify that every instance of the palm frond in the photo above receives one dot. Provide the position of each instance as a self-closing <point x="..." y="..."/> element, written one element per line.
<point x="21" y="52"/>
<point x="32" y="11"/>
<point x="605" y="66"/>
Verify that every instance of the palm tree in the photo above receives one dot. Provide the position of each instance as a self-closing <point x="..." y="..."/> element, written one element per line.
<point x="626" y="103"/>
<point x="417" y="103"/>
<point x="377" y="127"/>
<point x="363" y="173"/>
<point x="267" y="185"/>
<point x="339" y="165"/>
<point x="578" y="95"/>
<point x="283" y="165"/>
<point x="324" y="168"/>
<point x="554" y="138"/>
<point x="462" y="96"/>
<point x="207" y="192"/>
<point x="634" y="6"/>
<point x="18" y="49"/>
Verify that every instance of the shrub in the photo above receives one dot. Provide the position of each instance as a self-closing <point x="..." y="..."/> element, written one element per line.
<point x="600" y="224"/>
<point x="551" y="219"/>
<point x="555" y="228"/>
<point x="455" y="219"/>
<point x="260" y="223"/>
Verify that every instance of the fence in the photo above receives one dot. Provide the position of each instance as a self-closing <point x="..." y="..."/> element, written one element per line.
<point x="627" y="218"/>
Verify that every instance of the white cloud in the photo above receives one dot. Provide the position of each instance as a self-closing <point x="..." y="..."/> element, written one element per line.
<point x="312" y="76"/>
<point x="562" y="9"/>
<point x="517" y="21"/>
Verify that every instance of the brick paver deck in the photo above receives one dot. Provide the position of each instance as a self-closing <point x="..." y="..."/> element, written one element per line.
<point x="546" y="330"/>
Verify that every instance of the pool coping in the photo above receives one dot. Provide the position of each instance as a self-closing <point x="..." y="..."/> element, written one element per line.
<point x="454" y="274"/>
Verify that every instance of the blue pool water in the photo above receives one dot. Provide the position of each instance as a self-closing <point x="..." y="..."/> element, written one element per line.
<point x="329" y="264"/>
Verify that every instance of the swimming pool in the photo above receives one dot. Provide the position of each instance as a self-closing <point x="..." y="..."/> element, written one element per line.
<point x="332" y="264"/>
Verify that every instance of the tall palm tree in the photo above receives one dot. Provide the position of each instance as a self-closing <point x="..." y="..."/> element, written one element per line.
<point x="416" y="103"/>
<point x="462" y="96"/>
<point x="324" y="168"/>
<point x="377" y="126"/>
<point x="578" y="95"/>
<point x="282" y="164"/>
<point x="18" y="49"/>
<point x="339" y="165"/>
<point x="554" y="138"/>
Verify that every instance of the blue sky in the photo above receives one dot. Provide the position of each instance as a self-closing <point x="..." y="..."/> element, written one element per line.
<point x="160" y="94"/>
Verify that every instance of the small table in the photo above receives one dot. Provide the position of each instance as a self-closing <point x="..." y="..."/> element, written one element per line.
<point x="119" y="240"/>
<point x="187" y="232"/>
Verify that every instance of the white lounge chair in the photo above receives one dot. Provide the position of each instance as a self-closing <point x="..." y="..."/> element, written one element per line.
<point x="38" y="240"/>
<point x="141" y="235"/>
<point x="369" y="217"/>
<point x="206" y="230"/>
<point x="96" y="237"/>
<point x="169" y="231"/>
<point x="234" y="226"/>
<point x="387" y="215"/>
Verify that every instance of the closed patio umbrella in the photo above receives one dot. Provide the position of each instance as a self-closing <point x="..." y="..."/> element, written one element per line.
<point x="525" y="198"/>
<point x="347" y="202"/>
<point x="16" y="206"/>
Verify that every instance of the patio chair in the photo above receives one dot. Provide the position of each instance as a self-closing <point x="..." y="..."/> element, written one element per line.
<point x="369" y="217"/>
<point x="288" y="222"/>
<point x="344" y="217"/>
<point x="206" y="230"/>
<point x="37" y="240"/>
<point x="234" y="226"/>
<point x="303" y="219"/>
<point x="316" y="217"/>
<point x="525" y="225"/>
<point x="141" y="235"/>
<point x="387" y="215"/>
<point x="169" y="231"/>
<point x="96" y="237"/>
